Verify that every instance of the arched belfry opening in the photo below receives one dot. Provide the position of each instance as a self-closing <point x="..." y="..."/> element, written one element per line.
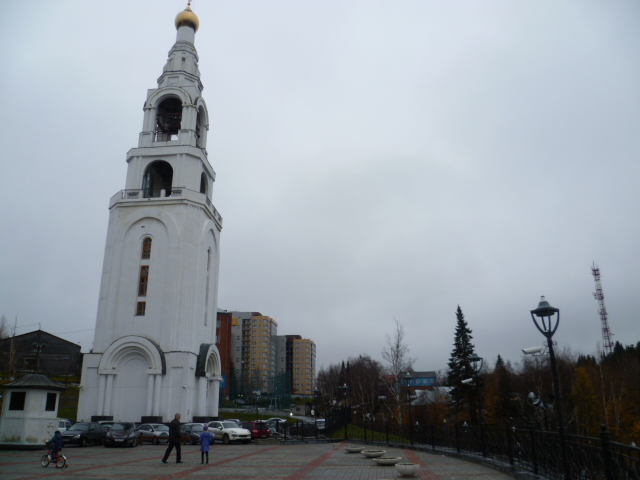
<point x="158" y="176"/>
<point x="201" y="125"/>
<point x="168" y="119"/>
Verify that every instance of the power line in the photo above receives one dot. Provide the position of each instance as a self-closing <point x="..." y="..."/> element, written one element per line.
<point x="74" y="331"/>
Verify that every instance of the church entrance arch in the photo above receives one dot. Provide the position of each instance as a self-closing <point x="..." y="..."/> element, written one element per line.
<point x="129" y="367"/>
<point x="131" y="384"/>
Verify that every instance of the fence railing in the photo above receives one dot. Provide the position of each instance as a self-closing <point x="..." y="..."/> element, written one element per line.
<point x="525" y="448"/>
<point x="135" y="194"/>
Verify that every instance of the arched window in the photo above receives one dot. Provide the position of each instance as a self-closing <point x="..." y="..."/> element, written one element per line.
<point x="157" y="177"/>
<point x="203" y="183"/>
<point x="146" y="248"/>
<point x="206" y="293"/>
<point x="143" y="277"/>
<point x="168" y="119"/>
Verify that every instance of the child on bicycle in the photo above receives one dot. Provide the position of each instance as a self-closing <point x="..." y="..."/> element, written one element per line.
<point x="56" y="445"/>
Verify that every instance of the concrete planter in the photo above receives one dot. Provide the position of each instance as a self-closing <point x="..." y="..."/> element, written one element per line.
<point x="387" y="461"/>
<point x="373" y="453"/>
<point x="353" y="449"/>
<point x="407" y="469"/>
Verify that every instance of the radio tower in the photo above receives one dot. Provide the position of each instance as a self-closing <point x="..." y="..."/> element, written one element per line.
<point x="607" y="343"/>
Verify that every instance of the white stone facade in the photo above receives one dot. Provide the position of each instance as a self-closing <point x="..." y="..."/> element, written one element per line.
<point x="154" y="351"/>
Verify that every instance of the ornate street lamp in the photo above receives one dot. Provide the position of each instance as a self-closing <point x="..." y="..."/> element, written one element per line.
<point x="476" y="365"/>
<point x="345" y="409"/>
<point x="408" y="380"/>
<point x="547" y="321"/>
<point x="316" y="394"/>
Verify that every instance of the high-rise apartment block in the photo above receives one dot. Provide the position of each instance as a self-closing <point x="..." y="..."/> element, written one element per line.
<point x="297" y="355"/>
<point x="256" y="359"/>
<point x="253" y="348"/>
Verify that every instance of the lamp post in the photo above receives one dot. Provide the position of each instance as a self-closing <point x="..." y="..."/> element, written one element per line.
<point x="547" y="321"/>
<point x="345" y="409"/>
<point x="408" y="379"/>
<point x="476" y="365"/>
<point x="316" y="394"/>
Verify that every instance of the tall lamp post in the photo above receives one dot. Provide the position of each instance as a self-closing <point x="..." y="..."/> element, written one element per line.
<point x="547" y="321"/>
<point x="345" y="409"/>
<point x="408" y="379"/>
<point x="316" y="394"/>
<point x="476" y="365"/>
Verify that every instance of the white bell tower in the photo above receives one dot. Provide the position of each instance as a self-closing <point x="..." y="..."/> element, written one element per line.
<point x="154" y="351"/>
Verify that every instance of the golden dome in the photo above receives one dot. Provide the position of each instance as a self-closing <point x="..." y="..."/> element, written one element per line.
<point x="188" y="18"/>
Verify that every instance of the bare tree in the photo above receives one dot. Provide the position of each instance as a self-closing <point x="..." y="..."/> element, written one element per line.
<point x="8" y="348"/>
<point x="396" y="352"/>
<point x="4" y="327"/>
<point x="396" y="355"/>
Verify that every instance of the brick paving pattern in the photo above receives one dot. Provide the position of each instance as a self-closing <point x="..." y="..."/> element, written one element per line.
<point x="237" y="462"/>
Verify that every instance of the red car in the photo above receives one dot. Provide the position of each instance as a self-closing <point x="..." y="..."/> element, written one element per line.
<point x="257" y="429"/>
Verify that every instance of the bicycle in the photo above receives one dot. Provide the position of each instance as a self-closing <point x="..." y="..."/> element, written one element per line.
<point x="60" y="461"/>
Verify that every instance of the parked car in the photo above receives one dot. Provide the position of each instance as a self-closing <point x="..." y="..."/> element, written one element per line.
<point x="106" y="424"/>
<point x="235" y="420"/>
<point x="121" y="433"/>
<point x="153" y="432"/>
<point x="257" y="429"/>
<point x="83" y="433"/>
<point x="191" y="432"/>
<point x="63" y="424"/>
<point x="275" y="420"/>
<point x="228" y="432"/>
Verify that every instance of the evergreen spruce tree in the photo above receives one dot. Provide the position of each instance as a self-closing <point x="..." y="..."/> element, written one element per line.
<point x="460" y="368"/>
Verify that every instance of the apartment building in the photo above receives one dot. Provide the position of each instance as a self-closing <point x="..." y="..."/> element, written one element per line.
<point x="253" y="349"/>
<point x="297" y="355"/>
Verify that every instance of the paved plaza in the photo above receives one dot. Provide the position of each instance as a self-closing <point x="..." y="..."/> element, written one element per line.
<point x="242" y="462"/>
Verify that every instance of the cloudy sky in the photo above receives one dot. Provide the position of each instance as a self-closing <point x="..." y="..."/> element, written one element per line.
<point x="376" y="160"/>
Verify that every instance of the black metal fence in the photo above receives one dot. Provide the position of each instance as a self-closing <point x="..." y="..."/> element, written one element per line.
<point x="524" y="448"/>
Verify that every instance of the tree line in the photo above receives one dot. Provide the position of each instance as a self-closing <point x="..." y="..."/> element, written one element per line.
<point x="594" y="391"/>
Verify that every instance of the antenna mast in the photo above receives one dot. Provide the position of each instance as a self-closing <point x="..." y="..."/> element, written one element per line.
<point x="607" y="343"/>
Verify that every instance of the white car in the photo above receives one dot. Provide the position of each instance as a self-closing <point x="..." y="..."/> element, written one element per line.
<point x="228" y="432"/>
<point x="63" y="424"/>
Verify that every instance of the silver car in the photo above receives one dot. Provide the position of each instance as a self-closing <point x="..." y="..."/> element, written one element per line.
<point x="153" y="432"/>
<point x="228" y="432"/>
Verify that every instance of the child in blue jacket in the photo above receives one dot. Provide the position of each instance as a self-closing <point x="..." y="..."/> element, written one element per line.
<point x="56" y="445"/>
<point x="205" y="440"/>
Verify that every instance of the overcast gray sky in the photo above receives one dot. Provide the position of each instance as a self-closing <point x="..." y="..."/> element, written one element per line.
<point x="376" y="160"/>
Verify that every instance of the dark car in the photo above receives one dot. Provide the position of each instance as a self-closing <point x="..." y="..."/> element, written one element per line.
<point x="257" y="429"/>
<point x="121" y="434"/>
<point x="84" y="433"/>
<point x="191" y="433"/>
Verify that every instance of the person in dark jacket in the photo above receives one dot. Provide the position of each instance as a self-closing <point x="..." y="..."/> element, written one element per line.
<point x="56" y="444"/>
<point x="174" y="439"/>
